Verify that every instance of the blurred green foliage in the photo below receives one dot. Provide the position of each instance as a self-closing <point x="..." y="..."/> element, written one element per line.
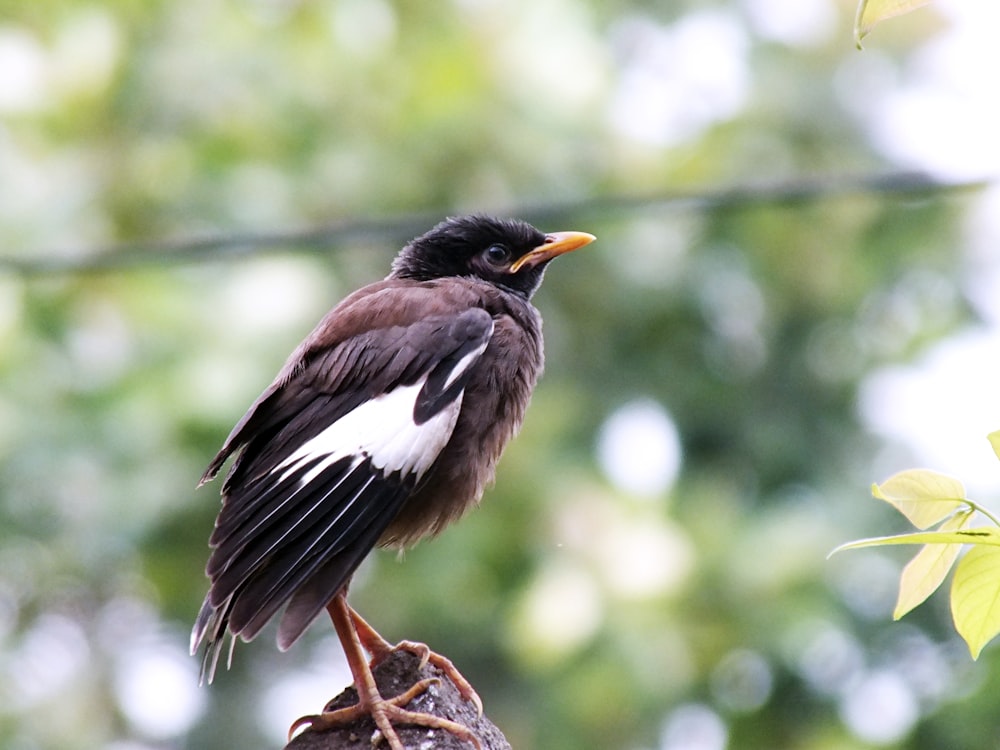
<point x="587" y="615"/>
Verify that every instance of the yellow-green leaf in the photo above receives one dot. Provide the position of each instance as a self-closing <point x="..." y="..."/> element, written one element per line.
<point x="987" y="535"/>
<point x="994" y="438"/>
<point x="975" y="597"/>
<point x="925" y="572"/>
<point x="871" y="12"/>
<point x="923" y="496"/>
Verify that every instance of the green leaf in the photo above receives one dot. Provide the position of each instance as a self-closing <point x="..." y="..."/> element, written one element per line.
<point x="975" y="597"/>
<point x="987" y="535"/>
<point x="923" y="496"/>
<point x="994" y="438"/>
<point x="871" y="12"/>
<point x="929" y="567"/>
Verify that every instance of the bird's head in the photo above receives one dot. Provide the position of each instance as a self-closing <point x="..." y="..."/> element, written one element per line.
<point x="506" y="252"/>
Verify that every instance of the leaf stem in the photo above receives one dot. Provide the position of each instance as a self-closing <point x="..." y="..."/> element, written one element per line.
<point x="980" y="509"/>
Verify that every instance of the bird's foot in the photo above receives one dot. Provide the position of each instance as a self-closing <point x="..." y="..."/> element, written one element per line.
<point x="386" y="712"/>
<point x="380" y="648"/>
<point x="443" y="663"/>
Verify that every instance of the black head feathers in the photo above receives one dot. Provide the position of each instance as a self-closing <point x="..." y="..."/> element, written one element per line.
<point x="479" y="246"/>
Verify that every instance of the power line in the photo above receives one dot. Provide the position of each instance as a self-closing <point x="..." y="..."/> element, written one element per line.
<point x="396" y="229"/>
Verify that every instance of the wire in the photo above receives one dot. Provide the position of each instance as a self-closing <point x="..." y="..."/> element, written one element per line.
<point x="396" y="229"/>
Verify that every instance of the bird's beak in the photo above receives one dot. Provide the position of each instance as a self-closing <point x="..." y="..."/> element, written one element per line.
<point x="555" y="244"/>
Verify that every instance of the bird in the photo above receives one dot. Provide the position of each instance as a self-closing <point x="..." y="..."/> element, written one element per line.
<point x="383" y="426"/>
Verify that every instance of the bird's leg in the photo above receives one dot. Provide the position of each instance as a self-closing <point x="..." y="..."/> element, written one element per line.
<point x="384" y="711"/>
<point x="380" y="648"/>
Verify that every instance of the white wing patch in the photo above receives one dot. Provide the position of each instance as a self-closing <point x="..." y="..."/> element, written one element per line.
<point x="465" y="362"/>
<point x="382" y="429"/>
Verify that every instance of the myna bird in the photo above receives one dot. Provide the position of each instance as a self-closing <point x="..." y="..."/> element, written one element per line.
<point x="383" y="427"/>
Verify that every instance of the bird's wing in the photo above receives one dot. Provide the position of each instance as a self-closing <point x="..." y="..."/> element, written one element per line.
<point x="328" y="455"/>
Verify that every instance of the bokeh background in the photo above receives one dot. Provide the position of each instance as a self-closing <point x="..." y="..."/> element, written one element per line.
<point x="765" y="327"/>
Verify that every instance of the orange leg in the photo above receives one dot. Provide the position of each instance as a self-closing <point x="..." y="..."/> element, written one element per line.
<point x="380" y="648"/>
<point x="384" y="711"/>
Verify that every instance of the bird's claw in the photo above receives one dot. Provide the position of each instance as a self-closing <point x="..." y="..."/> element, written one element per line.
<point x="385" y="712"/>
<point x="423" y="652"/>
<point x="380" y="649"/>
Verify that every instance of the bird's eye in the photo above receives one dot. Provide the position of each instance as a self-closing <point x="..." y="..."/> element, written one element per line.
<point x="497" y="255"/>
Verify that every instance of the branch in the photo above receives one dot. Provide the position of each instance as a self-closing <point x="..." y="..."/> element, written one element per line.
<point x="394" y="230"/>
<point x="393" y="676"/>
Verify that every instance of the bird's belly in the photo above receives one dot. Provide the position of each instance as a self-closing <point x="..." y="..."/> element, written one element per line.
<point x="456" y="482"/>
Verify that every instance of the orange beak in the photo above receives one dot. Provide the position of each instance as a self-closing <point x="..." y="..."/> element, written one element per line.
<point x="557" y="243"/>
